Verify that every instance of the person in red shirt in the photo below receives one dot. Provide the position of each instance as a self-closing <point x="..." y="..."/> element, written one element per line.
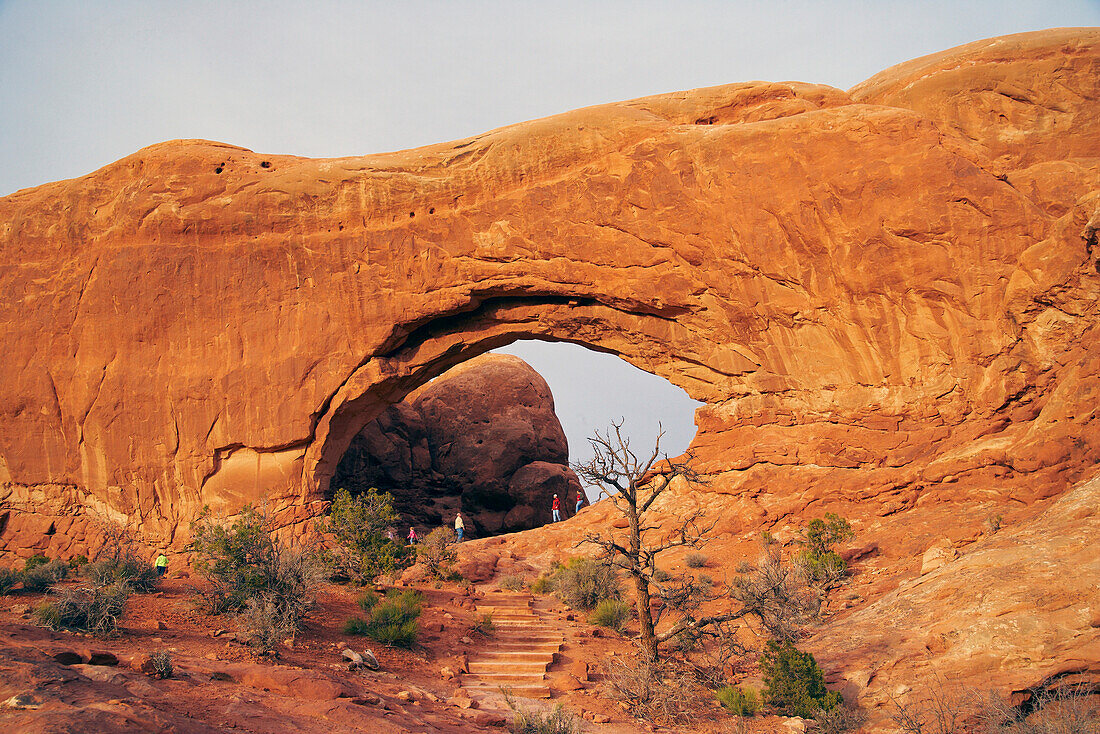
<point x="580" y="501"/>
<point x="556" y="509"/>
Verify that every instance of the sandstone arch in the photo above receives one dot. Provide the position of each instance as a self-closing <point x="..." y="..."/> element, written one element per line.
<point x="893" y="286"/>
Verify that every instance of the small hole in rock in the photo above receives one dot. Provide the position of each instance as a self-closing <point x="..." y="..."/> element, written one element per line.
<point x="432" y="210"/>
<point x="412" y="214"/>
<point x="218" y="169"/>
<point x="265" y="164"/>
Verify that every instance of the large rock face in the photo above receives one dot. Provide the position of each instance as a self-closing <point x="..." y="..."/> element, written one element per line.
<point x="483" y="439"/>
<point x="888" y="299"/>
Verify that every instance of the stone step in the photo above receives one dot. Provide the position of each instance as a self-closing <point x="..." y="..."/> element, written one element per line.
<point x="533" y="667"/>
<point x="525" y="691"/>
<point x="516" y="656"/>
<point x="505" y="644"/>
<point x="504" y="679"/>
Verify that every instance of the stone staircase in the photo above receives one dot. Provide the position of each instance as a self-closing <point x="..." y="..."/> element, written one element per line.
<point x="518" y="652"/>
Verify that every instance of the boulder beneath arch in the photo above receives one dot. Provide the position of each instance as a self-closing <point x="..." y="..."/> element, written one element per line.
<point x="483" y="438"/>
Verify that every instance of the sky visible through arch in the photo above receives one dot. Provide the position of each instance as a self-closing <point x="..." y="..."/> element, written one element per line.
<point x="84" y="83"/>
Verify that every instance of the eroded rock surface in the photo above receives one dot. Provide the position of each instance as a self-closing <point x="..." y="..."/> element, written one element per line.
<point x="888" y="299"/>
<point x="482" y="438"/>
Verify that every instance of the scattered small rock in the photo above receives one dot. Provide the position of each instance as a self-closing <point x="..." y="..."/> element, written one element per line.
<point x="579" y="670"/>
<point x="352" y="657"/>
<point x="22" y="701"/>
<point x="161" y="625"/>
<point x="446" y="673"/>
<point x="462" y="702"/>
<point x="221" y="675"/>
<point x="219" y="632"/>
<point x="367" y="700"/>
<point x="466" y="641"/>
<point x="370" y="660"/>
<point x="601" y="718"/>
<point x="21" y="609"/>
<point x="406" y="696"/>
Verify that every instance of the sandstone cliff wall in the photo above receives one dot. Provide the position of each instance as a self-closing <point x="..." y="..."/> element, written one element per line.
<point x="879" y="293"/>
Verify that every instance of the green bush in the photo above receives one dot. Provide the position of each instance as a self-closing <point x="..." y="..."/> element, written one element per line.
<point x="38" y="577"/>
<point x="359" y="525"/>
<point x="661" y="575"/>
<point x="512" y="582"/>
<point x="544" y="584"/>
<point x="94" y="609"/>
<point x="251" y="572"/>
<point x="484" y="625"/>
<point x="367" y="600"/>
<point x="611" y="613"/>
<point x="583" y="583"/>
<point x="9" y="577"/>
<point x="38" y="559"/>
<point x="793" y="683"/>
<point x="78" y="561"/>
<point x="739" y="701"/>
<point x="394" y="620"/>
<point x="696" y="560"/>
<point x="245" y="560"/>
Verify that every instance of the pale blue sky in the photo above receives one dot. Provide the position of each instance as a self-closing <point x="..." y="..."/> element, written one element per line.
<point x="85" y="83"/>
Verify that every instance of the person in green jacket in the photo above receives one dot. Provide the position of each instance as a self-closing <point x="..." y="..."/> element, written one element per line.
<point x="161" y="564"/>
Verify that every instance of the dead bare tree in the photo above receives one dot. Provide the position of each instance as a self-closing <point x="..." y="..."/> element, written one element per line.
<point x="772" y="594"/>
<point x="634" y="484"/>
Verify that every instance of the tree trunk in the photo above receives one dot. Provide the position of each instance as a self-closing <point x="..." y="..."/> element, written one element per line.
<point x="641" y="587"/>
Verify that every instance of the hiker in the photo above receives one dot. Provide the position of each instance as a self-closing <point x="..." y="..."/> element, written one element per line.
<point x="459" y="526"/>
<point x="413" y="537"/>
<point x="556" y="509"/>
<point x="390" y="535"/>
<point x="580" y="501"/>
<point x="161" y="564"/>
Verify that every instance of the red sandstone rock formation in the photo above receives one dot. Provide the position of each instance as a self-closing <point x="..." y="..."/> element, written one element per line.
<point x="482" y="438"/>
<point x="887" y="297"/>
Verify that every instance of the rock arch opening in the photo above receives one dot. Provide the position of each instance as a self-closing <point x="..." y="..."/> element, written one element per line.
<point x="487" y="438"/>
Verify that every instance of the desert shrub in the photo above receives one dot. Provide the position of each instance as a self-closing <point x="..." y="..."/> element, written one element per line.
<point x="822" y="565"/>
<point x="244" y="561"/>
<point x="696" y="560"/>
<point x="512" y="582"/>
<point x="583" y="583"/>
<point x="739" y="701"/>
<point x="394" y="620"/>
<point x="839" y="719"/>
<point x="793" y="683"/>
<point x="38" y="559"/>
<point x="437" y="552"/>
<point x="94" y="609"/>
<point x="530" y="721"/>
<point x="367" y="600"/>
<point x="705" y="580"/>
<point x="266" y="622"/>
<point x="9" y="577"/>
<point x="359" y="525"/>
<point x="162" y="664"/>
<point x="78" y="561"/>
<point x="484" y="625"/>
<point x="777" y="594"/>
<point x="611" y="613"/>
<point x="140" y="575"/>
<point x="41" y="576"/>
<point x="938" y="709"/>
<point x="252" y="572"/>
<point x="544" y="584"/>
<point x="120" y="560"/>
<point x="652" y="690"/>
<point x="1064" y="711"/>
<point x="661" y="575"/>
